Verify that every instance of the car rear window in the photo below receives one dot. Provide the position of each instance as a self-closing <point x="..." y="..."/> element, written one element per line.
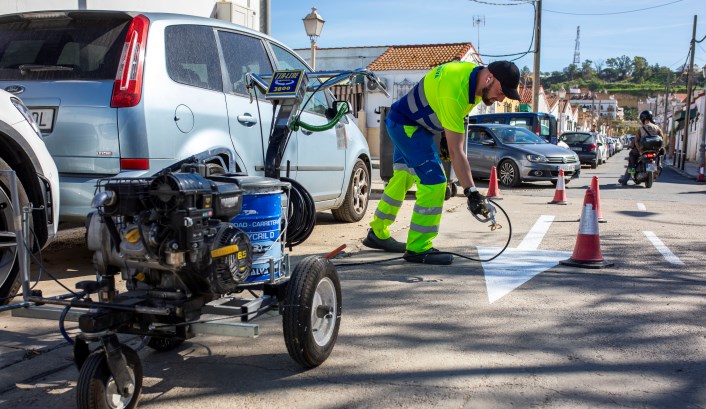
<point x="61" y="46"/>
<point x="578" y="138"/>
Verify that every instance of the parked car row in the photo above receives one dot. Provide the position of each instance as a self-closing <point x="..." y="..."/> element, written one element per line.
<point x="125" y="94"/>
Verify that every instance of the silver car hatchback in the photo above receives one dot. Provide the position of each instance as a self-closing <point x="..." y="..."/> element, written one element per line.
<point x="118" y="93"/>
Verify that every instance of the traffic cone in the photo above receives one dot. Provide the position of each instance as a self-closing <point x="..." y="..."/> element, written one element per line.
<point x="587" y="251"/>
<point x="700" y="176"/>
<point x="559" y="193"/>
<point x="595" y="186"/>
<point x="493" y="191"/>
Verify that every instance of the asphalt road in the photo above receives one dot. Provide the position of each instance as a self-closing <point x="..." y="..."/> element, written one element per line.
<point x="463" y="336"/>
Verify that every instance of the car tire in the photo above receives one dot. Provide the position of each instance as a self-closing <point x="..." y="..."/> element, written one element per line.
<point x="10" y="280"/>
<point x="594" y="164"/>
<point x="508" y="173"/>
<point x="357" y="196"/>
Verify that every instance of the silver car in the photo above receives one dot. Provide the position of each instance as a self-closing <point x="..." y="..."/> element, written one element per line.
<point x="22" y="150"/>
<point x="127" y="94"/>
<point x="518" y="155"/>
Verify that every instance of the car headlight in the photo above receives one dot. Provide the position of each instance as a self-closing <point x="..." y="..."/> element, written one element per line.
<point x="26" y="114"/>
<point x="536" y="158"/>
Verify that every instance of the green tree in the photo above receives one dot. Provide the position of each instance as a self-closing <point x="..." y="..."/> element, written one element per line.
<point x="587" y="70"/>
<point x="571" y="71"/>
<point x="641" y="70"/>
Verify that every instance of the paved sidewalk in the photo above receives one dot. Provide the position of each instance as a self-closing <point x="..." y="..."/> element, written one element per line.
<point x="691" y="168"/>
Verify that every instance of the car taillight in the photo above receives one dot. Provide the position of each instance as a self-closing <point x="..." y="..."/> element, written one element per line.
<point x="537" y="131"/>
<point x="592" y="147"/>
<point x="650" y="155"/>
<point x="127" y="88"/>
<point x="134" y="164"/>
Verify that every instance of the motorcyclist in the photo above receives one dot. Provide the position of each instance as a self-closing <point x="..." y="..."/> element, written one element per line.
<point x="648" y="128"/>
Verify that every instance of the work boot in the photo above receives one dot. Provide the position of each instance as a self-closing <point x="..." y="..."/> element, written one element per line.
<point x="431" y="256"/>
<point x="390" y="245"/>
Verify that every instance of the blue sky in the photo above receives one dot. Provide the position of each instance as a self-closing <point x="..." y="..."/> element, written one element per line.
<point x="660" y="34"/>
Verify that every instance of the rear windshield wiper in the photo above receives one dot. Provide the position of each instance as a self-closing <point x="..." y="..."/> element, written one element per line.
<point x="42" y="68"/>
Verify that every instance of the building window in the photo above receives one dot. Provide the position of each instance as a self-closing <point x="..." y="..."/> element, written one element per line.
<point x="402" y="88"/>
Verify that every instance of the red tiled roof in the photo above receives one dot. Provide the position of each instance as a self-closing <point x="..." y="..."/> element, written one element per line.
<point x="419" y="57"/>
<point x="525" y="94"/>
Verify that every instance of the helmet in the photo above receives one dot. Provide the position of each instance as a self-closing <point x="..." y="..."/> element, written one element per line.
<point x="646" y="115"/>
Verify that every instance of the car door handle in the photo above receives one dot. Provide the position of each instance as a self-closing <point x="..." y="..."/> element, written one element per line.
<point x="247" y="120"/>
<point x="305" y="132"/>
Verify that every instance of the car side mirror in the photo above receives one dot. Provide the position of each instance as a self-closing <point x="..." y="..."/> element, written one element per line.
<point x="333" y="110"/>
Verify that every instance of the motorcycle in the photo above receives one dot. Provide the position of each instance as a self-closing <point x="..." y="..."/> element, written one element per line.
<point x="648" y="168"/>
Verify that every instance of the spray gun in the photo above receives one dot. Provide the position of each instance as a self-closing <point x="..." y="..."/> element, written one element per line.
<point x="487" y="214"/>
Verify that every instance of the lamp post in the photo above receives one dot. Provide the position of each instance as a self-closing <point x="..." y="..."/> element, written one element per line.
<point x="562" y="117"/>
<point x="313" y="24"/>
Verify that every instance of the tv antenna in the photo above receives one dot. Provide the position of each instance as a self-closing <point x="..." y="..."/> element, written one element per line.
<point x="478" y="20"/>
<point x="577" y="55"/>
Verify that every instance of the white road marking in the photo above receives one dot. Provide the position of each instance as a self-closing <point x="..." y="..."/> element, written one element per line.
<point x="536" y="234"/>
<point x="517" y="266"/>
<point x="641" y="207"/>
<point x="662" y="248"/>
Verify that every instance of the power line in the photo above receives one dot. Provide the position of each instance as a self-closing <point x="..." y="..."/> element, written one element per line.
<point x="520" y="54"/>
<point x="613" y="13"/>
<point x="515" y="3"/>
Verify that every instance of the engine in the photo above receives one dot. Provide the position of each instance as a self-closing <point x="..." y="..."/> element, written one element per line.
<point x="171" y="234"/>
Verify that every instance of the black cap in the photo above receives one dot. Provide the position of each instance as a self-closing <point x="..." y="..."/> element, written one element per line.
<point x="509" y="77"/>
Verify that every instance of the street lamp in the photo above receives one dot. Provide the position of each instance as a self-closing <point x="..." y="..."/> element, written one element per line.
<point x="562" y="117"/>
<point x="313" y="24"/>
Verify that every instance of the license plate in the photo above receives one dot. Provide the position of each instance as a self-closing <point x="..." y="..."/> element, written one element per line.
<point x="652" y="167"/>
<point x="576" y="148"/>
<point x="567" y="167"/>
<point x="44" y="118"/>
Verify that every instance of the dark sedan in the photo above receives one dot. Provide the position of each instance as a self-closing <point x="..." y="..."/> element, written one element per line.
<point x="518" y="154"/>
<point x="586" y="145"/>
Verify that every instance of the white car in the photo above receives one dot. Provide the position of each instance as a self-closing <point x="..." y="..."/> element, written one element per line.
<point x="602" y="149"/>
<point x="22" y="150"/>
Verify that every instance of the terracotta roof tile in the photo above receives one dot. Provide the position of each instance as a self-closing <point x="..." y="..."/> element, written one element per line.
<point x="419" y="57"/>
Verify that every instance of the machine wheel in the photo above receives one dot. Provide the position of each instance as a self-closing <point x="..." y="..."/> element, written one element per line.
<point x="594" y="164"/>
<point x="10" y="278"/>
<point x="96" y="388"/>
<point x="356" y="201"/>
<point x="163" y="344"/>
<point x="650" y="179"/>
<point x="508" y="174"/>
<point x="312" y="311"/>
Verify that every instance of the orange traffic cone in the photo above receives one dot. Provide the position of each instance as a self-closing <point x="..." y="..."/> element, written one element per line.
<point x="559" y="193"/>
<point x="587" y="251"/>
<point x="700" y="177"/>
<point x="595" y="186"/>
<point x="493" y="191"/>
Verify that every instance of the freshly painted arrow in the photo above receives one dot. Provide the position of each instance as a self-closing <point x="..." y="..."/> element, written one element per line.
<point x="517" y="266"/>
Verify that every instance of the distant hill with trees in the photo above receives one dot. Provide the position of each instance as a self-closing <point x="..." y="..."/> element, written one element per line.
<point x="629" y="78"/>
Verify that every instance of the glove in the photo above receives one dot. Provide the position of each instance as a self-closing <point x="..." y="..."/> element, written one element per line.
<point x="477" y="203"/>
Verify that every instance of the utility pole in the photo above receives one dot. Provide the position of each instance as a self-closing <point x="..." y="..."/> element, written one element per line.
<point x="537" y="42"/>
<point x="666" y="101"/>
<point x="689" y="91"/>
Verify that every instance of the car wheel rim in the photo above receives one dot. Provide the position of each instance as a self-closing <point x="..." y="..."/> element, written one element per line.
<point x="323" y="312"/>
<point x="507" y="173"/>
<point x="8" y="238"/>
<point x="361" y="191"/>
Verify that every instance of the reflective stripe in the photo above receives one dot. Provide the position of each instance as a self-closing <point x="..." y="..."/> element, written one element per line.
<point x="435" y="120"/>
<point x="413" y="108"/>
<point x="392" y="202"/>
<point x="382" y="216"/>
<point x="423" y="229"/>
<point x="422" y="95"/>
<point x="427" y="210"/>
<point x="404" y="168"/>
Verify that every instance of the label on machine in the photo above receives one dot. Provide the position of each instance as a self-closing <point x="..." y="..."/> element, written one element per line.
<point x="287" y="85"/>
